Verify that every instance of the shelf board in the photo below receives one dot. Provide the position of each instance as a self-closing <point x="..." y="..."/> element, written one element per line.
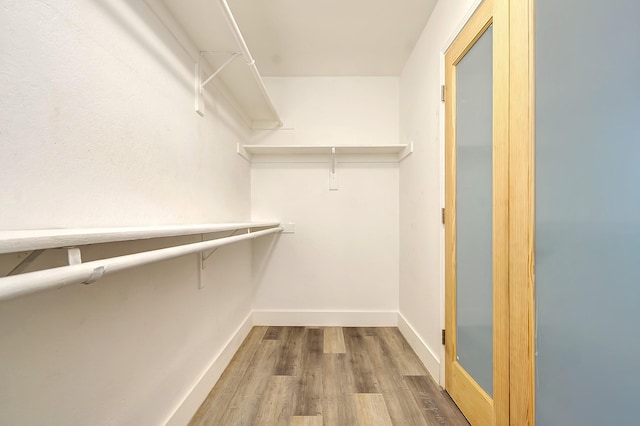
<point x="395" y="152"/>
<point x="36" y="239"/>
<point x="324" y="149"/>
<point x="205" y="25"/>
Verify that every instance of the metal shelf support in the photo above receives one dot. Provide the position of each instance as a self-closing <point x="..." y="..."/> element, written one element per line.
<point x="234" y="55"/>
<point x="200" y="83"/>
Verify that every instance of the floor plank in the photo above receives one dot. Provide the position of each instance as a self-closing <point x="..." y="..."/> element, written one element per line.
<point x="333" y="340"/>
<point x="307" y="400"/>
<point x="338" y="382"/>
<point x="383" y="366"/>
<point x="371" y="410"/>
<point x="338" y="377"/>
<point x="306" y="421"/>
<point x="290" y="355"/>
<point x="273" y="333"/>
<point x="404" y="358"/>
<point x="243" y="407"/>
<point x="437" y="408"/>
<point x="275" y="407"/>
<point x="404" y="409"/>
<point x="359" y="361"/>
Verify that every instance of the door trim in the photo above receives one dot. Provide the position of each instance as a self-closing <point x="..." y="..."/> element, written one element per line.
<point x="521" y="214"/>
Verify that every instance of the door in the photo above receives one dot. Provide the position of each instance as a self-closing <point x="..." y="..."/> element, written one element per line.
<point x="476" y="262"/>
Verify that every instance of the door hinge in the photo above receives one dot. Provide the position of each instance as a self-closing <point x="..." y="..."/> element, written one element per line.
<point x="442" y="215"/>
<point x="444" y="337"/>
<point x="442" y="93"/>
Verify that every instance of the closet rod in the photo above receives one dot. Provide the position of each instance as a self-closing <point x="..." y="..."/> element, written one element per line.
<point x="87" y="273"/>
<point x="233" y="25"/>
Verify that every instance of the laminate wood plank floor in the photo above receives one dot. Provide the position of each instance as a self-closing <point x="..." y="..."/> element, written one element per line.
<point x="331" y="376"/>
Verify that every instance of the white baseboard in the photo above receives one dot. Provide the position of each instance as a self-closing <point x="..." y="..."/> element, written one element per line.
<point x="327" y="318"/>
<point x="424" y="352"/>
<point x="192" y="401"/>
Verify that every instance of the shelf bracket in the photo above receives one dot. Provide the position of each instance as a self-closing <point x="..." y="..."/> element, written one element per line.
<point x="406" y="152"/>
<point x="204" y="257"/>
<point x="333" y="177"/>
<point x="25" y="262"/>
<point x="242" y="152"/>
<point x="200" y="83"/>
<point x="74" y="257"/>
<point x="220" y="68"/>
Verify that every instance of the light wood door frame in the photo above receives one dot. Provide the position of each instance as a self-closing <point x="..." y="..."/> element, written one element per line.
<point x="474" y="402"/>
<point x="521" y="213"/>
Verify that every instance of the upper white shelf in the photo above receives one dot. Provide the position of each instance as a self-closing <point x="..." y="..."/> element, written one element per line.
<point x="210" y="25"/>
<point x="36" y="239"/>
<point x="396" y="152"/>
<point x="323" y="149"/>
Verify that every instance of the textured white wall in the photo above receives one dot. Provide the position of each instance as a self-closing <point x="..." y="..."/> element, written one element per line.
<point x="344" y="254"/>
<point x="97" y="128"/>
<point x="97" y="122"/>
<point x="421" y="177"/>
<point x="333" y="110"/>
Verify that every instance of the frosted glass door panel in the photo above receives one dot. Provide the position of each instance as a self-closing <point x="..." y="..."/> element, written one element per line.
<point x="474" y="254"/>
<point x="587" y="212"/>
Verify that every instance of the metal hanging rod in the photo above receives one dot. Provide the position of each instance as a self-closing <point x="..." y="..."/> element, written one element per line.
<point x="31" y="282"/>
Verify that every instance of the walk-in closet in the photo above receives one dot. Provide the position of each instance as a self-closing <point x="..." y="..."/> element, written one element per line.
<point x="284" y="212"/>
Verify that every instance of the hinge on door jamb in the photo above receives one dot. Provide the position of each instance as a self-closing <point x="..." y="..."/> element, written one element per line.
<point x="442" y="93"/>
<point x="444" y="337"/>
<point x="442" y="214"/>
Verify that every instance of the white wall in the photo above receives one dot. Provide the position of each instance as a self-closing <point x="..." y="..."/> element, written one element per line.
<point x="343" y="256"/>
<point x="421" y="179"/>
<point x="333" y="110"/>
<point x="97" y="128"/>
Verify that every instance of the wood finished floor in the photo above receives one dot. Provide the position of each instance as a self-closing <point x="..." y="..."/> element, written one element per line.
<point x="313" y="376"/>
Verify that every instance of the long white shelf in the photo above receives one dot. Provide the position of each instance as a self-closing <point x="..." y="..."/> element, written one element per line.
<point x="15" y="285"/>
<point x="323" y="149"/>
<point x="395" y="151"/>
<point x="37" y="239"/>
<point x="209" y="26"/>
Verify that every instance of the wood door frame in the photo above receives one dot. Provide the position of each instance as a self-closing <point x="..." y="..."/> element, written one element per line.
<point x="522" y="213"/>
<point x="489" y="12"/>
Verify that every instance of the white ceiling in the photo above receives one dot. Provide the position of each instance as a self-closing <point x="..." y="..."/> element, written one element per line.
<point x="331" y="37"/>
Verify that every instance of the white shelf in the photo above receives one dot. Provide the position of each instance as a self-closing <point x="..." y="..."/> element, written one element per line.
<point x="396" y="152"/>
<point x="36" y="239"/>
<point x="207" y="25"/>
<point x="322" y="149"/>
